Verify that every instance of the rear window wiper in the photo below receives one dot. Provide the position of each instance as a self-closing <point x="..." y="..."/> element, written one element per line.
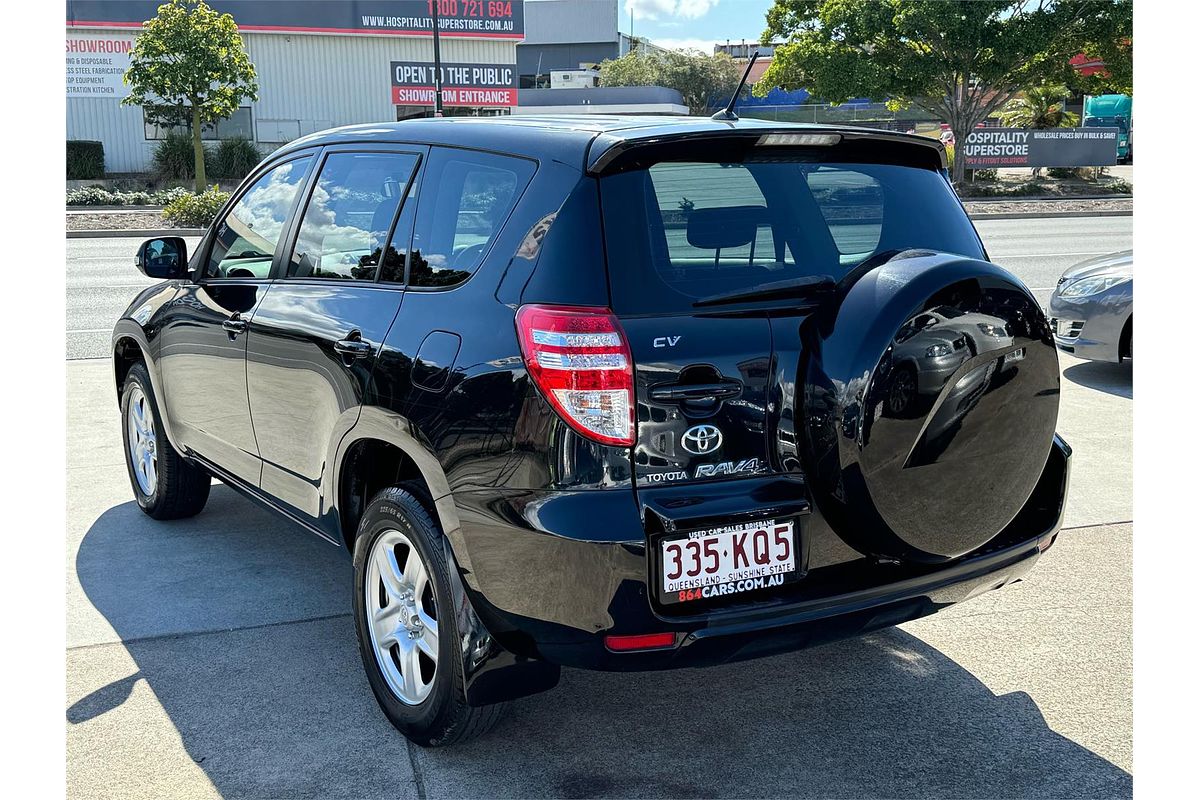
<point x="805" y="288"/>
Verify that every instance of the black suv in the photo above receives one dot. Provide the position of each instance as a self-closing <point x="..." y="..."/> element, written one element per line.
<point x="603" y="392"/>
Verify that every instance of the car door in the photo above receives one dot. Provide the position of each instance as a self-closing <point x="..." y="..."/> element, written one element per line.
<point x="313" y="341"/>
<point x="202" y="356"/>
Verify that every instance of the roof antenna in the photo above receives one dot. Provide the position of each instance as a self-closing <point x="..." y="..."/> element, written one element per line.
<point x="727" y="112"/>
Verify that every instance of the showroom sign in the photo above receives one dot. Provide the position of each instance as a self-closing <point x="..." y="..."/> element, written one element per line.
<point x="482" y="19"/>
<point x="988" y="148"/>
<point x="462" y="84"/>
<point x="96" y="65"/>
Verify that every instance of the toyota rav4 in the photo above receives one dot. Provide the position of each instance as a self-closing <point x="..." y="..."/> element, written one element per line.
<point x="602" y="392"/>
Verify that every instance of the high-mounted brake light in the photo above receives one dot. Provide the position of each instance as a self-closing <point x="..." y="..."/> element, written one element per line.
<point x="800" y="139"/>
<point x="579" y="359"/>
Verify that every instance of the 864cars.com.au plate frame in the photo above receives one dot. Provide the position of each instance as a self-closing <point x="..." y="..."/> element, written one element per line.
<point x="800" y="542"/>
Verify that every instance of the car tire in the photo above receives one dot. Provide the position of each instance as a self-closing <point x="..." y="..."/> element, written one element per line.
<point x="165" y="484"/>
<point x="425" y="699"/>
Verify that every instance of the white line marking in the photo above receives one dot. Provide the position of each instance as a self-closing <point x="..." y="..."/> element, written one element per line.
<point x="1049" y="255"/>
<point x="89" y="330"/>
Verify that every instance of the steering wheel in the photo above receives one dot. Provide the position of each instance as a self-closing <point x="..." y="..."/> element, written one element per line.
<point x="468" y="255"/>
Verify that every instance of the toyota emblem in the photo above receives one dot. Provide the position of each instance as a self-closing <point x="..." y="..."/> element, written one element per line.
<point x="701" y="439"/>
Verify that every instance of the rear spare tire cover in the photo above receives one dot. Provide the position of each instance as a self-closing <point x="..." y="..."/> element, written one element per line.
<point x="930" y="402"/>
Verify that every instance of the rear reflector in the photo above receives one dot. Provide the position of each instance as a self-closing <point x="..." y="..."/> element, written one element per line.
<point x="641" y="641"/>
<point x="579" y="360"/>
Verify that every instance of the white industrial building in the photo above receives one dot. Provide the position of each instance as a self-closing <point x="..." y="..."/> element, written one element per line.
<point x="319" y="65"/>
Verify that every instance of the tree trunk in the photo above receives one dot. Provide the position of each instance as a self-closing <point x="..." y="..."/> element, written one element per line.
<point x="961" y="128"/>
<point x="198" y="150"/>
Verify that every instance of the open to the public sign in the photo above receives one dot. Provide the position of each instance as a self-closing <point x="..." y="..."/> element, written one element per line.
<point x="720" y="562"/>
<point x="493" y="85"/>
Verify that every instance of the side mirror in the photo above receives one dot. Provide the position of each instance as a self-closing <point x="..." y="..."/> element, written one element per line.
<point x="163" y="258"/>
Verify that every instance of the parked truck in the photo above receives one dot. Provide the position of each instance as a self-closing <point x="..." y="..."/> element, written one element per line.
<point x="1112" y="111"/>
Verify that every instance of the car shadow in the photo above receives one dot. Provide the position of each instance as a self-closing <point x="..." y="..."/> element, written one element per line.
<point x="240" y="625"/>
<point x="1103" y="376"/>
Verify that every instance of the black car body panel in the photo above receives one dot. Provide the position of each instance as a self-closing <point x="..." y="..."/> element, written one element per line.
<point x="556" y="536"/>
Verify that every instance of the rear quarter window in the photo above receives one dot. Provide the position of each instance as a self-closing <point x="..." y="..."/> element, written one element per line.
<point x="464" y="200"/>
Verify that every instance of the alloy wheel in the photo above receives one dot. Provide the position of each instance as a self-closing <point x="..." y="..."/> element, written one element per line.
<point x="402" y="616"/>
<point x="143" y="442"/>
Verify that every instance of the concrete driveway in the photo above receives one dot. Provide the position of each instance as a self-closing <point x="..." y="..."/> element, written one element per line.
<point x="216" y="657"/>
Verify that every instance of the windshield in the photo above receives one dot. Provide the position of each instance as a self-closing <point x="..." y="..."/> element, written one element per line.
<point x="1105" y="122"/>
<point x="679" y="231"/>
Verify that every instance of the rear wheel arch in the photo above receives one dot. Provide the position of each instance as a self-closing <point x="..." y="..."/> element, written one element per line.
<point x="367" y="467"/>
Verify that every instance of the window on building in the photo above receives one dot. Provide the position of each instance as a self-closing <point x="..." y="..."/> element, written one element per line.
<point x="349" y="216"/>
<point x="238" y="125"/>
<point x="465" y="200"/>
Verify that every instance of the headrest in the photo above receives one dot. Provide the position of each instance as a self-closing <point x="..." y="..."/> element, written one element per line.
<point x="723" y="227"/>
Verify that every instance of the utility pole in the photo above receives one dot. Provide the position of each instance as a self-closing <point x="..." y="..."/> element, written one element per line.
<point x="437" y="63"/>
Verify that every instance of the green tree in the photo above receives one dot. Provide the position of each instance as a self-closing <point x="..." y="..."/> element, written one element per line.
<point x="1040" y="107"/>
<point x="703" y="80"/>
<point x="188" y="63"/>
<point x="961" y="61"/>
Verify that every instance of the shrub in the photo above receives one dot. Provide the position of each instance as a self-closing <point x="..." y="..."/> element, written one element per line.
<point x="85" y="160"/>
<point x="234" y="158"/>
<point x="175" y="159"/>
<point x="984" y="174"/>
<point x="195" y="210"/>
<point x="1063" y="173"/>
<point x="97" y="196"/>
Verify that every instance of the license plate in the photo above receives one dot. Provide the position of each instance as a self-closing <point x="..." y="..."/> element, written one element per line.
<point x="1014" y="356"/>
<point x="720" y="562"/>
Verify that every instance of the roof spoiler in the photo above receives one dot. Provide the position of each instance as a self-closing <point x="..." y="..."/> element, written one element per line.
<point x="609" y="152"/>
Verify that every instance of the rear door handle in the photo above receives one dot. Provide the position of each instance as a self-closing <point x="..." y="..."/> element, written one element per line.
<point x="234" y="326"/>
<point x="679" y="392"/>
<point x="353" y="346"/>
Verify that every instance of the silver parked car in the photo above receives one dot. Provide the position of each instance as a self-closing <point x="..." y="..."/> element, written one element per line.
<point x="1091" y="310"/>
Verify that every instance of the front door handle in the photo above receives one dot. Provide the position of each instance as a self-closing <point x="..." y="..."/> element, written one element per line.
<point x="234" y="326"/>
<point x="352" y="347"/>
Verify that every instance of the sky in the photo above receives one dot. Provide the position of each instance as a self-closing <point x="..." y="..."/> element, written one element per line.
<point x="694" y="23"/>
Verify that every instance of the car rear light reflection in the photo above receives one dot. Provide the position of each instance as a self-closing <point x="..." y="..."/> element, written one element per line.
<point x="641" y="641"/>
<point x="579" y="359"/>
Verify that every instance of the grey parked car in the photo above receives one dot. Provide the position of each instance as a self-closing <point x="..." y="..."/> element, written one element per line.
<point x="1091" y="310"/>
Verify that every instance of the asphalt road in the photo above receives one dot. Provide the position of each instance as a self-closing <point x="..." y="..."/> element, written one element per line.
<point x="101" y="278"/>
<point x="216" y="657"/>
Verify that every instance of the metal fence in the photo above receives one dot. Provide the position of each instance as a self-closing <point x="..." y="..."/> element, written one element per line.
<point x="875" y="115"/>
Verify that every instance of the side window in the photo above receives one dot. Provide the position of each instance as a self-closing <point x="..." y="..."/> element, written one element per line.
<point x="852" y="205"/>
<point x="349" y="215"/>
<point x="245" y="240"/>
<point x="467" y="196"/>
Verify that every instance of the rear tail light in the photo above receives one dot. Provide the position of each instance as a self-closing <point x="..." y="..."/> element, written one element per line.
<point x="580" y="361"/>
<point x="641" y="641"/>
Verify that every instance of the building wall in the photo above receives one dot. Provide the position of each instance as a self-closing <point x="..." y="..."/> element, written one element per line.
<point x="307" y="82"/>
<point x="567" y="21"/>
<point x="547" y="57"/>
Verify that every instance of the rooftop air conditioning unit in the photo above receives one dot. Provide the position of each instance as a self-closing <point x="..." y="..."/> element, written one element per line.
<point x="574" y="78"/>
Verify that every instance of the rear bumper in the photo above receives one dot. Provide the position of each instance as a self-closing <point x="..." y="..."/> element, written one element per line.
<point x="545" y="594"/>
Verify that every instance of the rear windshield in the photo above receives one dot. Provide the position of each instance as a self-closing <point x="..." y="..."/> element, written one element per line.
<point x="680" y="231"/>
